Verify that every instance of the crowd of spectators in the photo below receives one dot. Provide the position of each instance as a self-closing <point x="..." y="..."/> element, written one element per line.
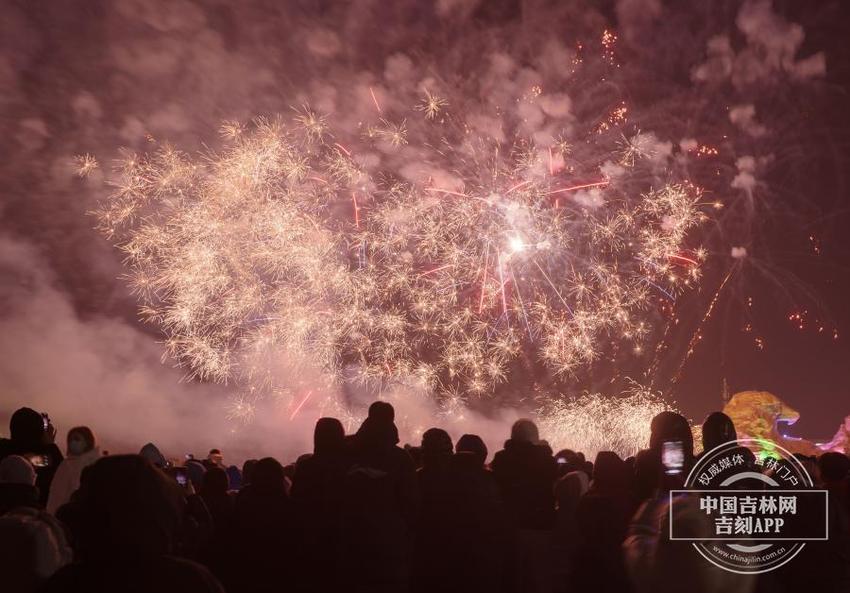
<point x="362" y="514"/>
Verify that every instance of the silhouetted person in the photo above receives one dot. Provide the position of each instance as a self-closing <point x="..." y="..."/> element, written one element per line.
<point x="717" y="429"/>
<point x="264" y="538"/>
<point x="437" y="449"/>
<point x="82" y="452"/>
<point x="215" y="496"/>
<point x="833" y="469"/>
<point x="822" y="566"/>
<point x="220" y="505"/>
<point x="317" y="490"/>
<point x="130" y="516"/>
<point x="214" y="459"/>
<point x="603" y="514"/>
<point x="415" y="453"/>
<point x="656" y="564"/>
<point x="150" y="452"/>
<point x="318" y="476"/>
<point x="479" y="535"/>
<point x="834" y="474"/>
<point x="247" y="470"/>
<point x="670" y="426"/>
<point x="32" y="549"/>
<point x="32" y="437"/>
<point x="432" y="570"/>
<point x="17" y="484"/>
<point x="568" y="461"/>
<point x="234" y="477"/>
<point x="647" y="476"/>
<point x="474" y="446"/>
<point x="195" y="471"/>
<point x="525" y="472"/>
<point x="380" y="502"/>
<point x="569" y="488"/>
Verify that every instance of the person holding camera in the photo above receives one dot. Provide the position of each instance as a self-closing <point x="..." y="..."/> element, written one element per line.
<point x="32" y="437"/>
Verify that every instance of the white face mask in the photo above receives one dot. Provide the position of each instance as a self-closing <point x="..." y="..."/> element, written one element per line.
<point x="76" y="446"/>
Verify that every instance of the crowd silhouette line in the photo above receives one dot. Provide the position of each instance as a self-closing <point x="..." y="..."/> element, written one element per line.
<point x="363" y="514"/>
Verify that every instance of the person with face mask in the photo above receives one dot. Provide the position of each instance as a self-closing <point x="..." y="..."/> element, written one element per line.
<point x="82" y="452"/>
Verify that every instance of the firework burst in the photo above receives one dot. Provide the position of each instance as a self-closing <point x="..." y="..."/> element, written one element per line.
<point x="284" y="242"/>
<point x="466" y="252"/>
<point x="594" y="422"/>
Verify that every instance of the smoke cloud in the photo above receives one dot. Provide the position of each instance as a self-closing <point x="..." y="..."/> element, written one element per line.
<point x="93" y="77"/>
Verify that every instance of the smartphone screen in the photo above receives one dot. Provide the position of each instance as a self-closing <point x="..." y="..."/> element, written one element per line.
<point x="45" y="420"/>
<point x="180" y="476"/>
<point x="672" y="457"/>
<point x="39" y="460"/>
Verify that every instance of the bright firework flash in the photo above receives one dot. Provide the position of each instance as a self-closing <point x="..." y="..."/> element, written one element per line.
<point x="245" y="254"/>
<point x="593" y="422"/>
<point x="503" y="239"/>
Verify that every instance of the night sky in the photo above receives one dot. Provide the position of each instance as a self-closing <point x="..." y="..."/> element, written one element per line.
<point x="809" y="254"/>
<point x="96" y="76"/>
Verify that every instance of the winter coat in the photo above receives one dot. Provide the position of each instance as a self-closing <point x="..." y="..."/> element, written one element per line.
<point x="66" y="480"/>
<point x="525" y="474"/>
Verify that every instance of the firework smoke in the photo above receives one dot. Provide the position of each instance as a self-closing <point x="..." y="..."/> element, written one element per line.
<point x="254" y="255"/>
<point x="499" y="203"/>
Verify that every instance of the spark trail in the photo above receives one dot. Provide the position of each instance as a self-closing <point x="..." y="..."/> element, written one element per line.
<point x="417" y="249"/>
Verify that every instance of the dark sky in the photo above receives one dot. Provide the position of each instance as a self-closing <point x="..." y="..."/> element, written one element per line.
<point x="808" y="369"/>
<point x="95" y="76"/>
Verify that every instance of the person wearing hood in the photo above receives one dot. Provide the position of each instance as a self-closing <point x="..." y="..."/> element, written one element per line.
<point x="656" y="564"/>
<point x="435" y="475"/>
<point x="569" y="490"/>
<point x="216" y="497"/>
<point x="32" y="548"/>
<point x="220" y="505"/>
<point x="525" y="472"/>
<point x="602" y="517"/>
<point x="130" y="515"/>
<point x="82" y="452"/>
<point x="478" y="534"/>
<point x="153" y="454"/>
<point x="32" y="437"/>
<point x="264" y="539"/>
<point x="319" y="474"/>
<point x="195" y="471"/>
<point x="17" y="484"/>
<point x="317" y="493"/>
<point x="247" y="471"/>
<point x="432" y="571"/>
<point x="379" y="507"/>
<point x="717" y="429"/>
<point x="234" y="478"/>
